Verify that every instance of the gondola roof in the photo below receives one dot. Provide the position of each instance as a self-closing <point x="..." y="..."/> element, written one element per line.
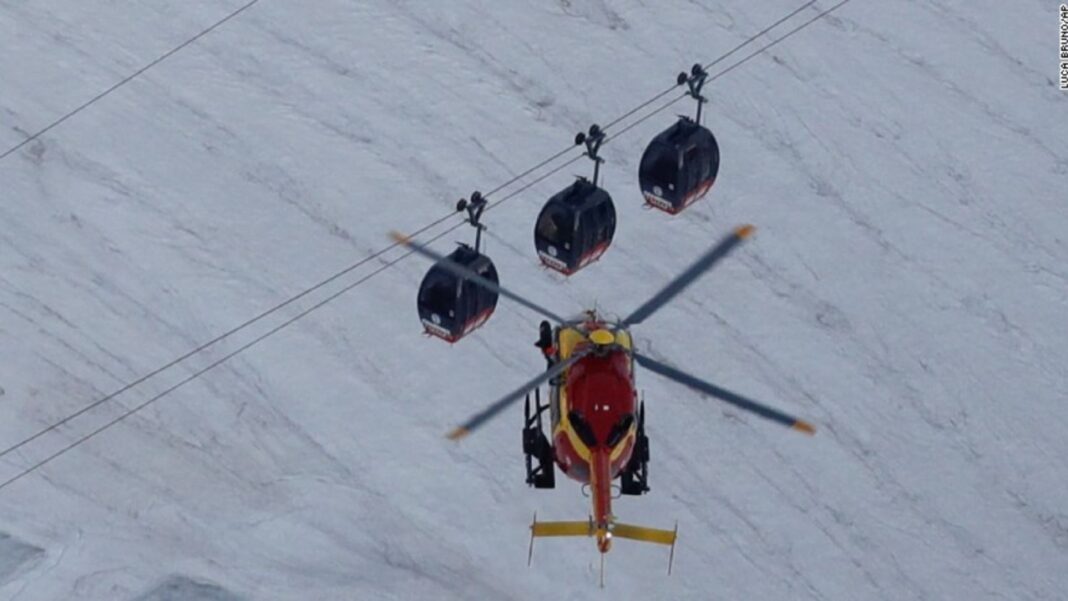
<point x="682" y="132"/>
<point x="581" y="194"/>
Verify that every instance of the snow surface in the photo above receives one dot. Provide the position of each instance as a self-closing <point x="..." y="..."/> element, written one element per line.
<point x="907" y="290"/>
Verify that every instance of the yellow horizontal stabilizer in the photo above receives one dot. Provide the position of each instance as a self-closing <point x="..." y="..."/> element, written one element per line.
<point x="562" y="528"/>
<point x="649" y="535"/>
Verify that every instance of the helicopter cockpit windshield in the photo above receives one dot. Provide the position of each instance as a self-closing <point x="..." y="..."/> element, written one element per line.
<point x="582" y="428"/>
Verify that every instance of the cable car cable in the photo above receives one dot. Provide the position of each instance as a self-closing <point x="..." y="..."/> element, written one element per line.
<point x="363" y="261"/>
<point x="722" y="57"/>
<point x="213" y="341"/>
<point x="129" y="412"/>
<point x="127" y="79"/>
<point x="359" y="263"/>
<point x="715" y="62"/>
<point x="209" y="367"/>
<point x="282" y="305"/>
<point x="819" y="16"/>
<point x="727" y="70"/>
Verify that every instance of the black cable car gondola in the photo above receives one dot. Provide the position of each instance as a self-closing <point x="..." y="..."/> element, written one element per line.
<point x="576" y="225"/>
<point x="451" y="307"/>
<point x="680" y="165"/>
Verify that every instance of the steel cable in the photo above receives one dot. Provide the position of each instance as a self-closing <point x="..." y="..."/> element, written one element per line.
<point x="350" y="268"/>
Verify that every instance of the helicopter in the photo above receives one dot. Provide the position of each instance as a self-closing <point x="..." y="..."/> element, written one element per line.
<point x="597" y="422"/>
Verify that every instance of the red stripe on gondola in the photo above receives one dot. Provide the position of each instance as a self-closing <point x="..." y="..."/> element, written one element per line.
<point x="469" y="326"/>
<point x="689" y="199"/>
<point x="591" y="256"/>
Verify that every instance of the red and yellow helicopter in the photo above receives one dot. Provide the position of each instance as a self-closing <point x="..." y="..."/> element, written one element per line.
<point x="597" y="421"/>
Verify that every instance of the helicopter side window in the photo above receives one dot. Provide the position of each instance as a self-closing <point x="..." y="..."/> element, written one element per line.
<point x="582" y="428"/>
<point x="620" y="429"/>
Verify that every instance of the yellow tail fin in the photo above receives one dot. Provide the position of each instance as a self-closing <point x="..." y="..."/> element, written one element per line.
<point x="649" y="535"/>
<point x="562" y="528"/>
<point x="616" y="530"/>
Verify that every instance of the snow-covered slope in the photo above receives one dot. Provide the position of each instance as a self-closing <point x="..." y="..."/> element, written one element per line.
<point x="905" y="163"/>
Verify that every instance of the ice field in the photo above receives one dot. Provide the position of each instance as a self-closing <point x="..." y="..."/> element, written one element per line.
<point x="905" y="164"/>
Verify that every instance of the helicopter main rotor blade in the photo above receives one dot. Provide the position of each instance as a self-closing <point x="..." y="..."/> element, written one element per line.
<point x="483" y="416"/>
<point x="722" y="394"/>
<point x="694" y="271"/>
<point x="463" y="272"/>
